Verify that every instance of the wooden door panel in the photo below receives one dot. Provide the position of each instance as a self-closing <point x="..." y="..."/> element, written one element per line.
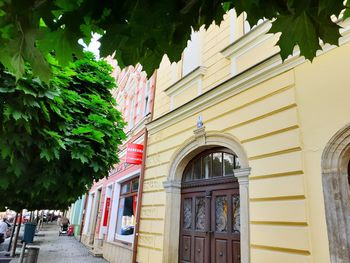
<point x="236" y="252"/>
<point x="186" y="249"/>
<point x="208" y="230"/>
<point x="194" y="245"/>
<point x="220" y="251"/>
<point x="199" y="249"/>
<point x="222" y="227"/>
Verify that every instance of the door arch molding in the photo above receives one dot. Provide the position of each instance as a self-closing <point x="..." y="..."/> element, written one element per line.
<point x="201" y="141"/>
<point x="335" y="165"/>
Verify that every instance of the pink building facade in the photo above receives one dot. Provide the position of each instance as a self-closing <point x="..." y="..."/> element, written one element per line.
<point x="112" y="204"/>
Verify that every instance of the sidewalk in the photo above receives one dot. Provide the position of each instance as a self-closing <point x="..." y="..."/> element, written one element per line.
<point x="61" y="249"/>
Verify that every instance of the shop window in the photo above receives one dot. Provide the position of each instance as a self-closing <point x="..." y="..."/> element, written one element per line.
<point x="127" y="211"/>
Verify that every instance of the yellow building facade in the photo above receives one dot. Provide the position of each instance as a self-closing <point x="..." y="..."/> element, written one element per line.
<point x="277" y="118"/>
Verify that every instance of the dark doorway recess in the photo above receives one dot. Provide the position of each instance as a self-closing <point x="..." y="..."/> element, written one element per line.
<point x="210" y="207"/>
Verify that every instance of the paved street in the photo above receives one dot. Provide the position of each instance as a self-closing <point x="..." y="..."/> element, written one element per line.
<point x="62" y="249"/>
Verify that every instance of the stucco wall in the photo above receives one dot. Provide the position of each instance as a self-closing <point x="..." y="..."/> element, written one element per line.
<point x="264" y="120"/>
<point x="323" y="97"/>
<point x="117" y="253"/>
<point x="283" y="123"/>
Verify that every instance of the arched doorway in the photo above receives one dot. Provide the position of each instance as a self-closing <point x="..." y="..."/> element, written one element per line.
<point x="336" y="188"/>
<point x="199" y="143"/>
<point x="210" y="209"/>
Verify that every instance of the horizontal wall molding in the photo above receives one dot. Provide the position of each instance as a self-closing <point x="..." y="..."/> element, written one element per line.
<point x="280" y="223"/>
<point x="149" y="247"/>
<point x="281" y="249"/>
<point x="269" y="134"/>
<point x="268" y="176"/>
<point x="271" y="113"/>
<point x="271" y="154"/>
<point x="278" y="198"/>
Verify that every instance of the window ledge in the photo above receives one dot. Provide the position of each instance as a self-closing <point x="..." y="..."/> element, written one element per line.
<point x="187" y="80"/>
<point x="248" y="41"/>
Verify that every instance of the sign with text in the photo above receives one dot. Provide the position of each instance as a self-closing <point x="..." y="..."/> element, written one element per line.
<point x="134" y="153"/>
<point x="105" y="218"/>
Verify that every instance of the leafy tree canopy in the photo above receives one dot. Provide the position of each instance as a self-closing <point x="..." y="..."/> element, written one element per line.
<point x="143" y="30"/>
<point x="56" y="139"/>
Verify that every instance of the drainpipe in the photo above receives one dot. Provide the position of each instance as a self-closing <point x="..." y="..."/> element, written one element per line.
<point x="142" y="178"/>
<point x="139" y="202"/>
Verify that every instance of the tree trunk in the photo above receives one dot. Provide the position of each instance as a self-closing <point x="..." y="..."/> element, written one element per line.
<point x="13" y="252"/>
<point x="12" y="232"/>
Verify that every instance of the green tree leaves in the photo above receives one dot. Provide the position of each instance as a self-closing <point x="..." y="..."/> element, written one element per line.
<point x="301" y="23"/>
<point x="302" y="33"/>
<point x="56" y="139"/>
<point x="143" y="31"/>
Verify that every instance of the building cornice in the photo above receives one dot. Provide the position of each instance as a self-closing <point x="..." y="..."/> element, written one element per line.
<point x="250" y="77"/>
<point x="186" y="81"/>
<point x="248" y="41"/>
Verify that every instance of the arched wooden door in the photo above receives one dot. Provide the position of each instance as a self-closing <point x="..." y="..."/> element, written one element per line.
<point x="210" y="226"/>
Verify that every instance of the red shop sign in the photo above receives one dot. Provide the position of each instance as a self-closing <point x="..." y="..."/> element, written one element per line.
<point x="134" y="153"/>
<point x="105" y="218"/>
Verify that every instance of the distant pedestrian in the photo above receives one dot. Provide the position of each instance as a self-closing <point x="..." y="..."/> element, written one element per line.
<point x="3" y="230"/>
<point x="59" y="220"/>
<point x="65" y="221"/>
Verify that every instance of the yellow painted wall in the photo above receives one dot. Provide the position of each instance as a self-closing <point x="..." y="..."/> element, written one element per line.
<point x="213" y="42"/>
<point x="260" y="52"/>
<point x="283" y="124"/>
<point x="279" y="221"/>
<point x="323" y="97"/>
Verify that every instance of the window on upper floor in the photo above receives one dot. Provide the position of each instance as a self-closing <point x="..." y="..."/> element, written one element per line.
<point x="131" y="116"/>
<point x="126" y="107"/>
<point x="191" y="55"/>
<point x="139" y="102"/>
<point x="147" y="98"/>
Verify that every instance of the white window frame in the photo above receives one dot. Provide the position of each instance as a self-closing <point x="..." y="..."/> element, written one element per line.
<point x="87" y="214"/>
<point x="114" y="210"/>
<point x="147" y="98"/>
